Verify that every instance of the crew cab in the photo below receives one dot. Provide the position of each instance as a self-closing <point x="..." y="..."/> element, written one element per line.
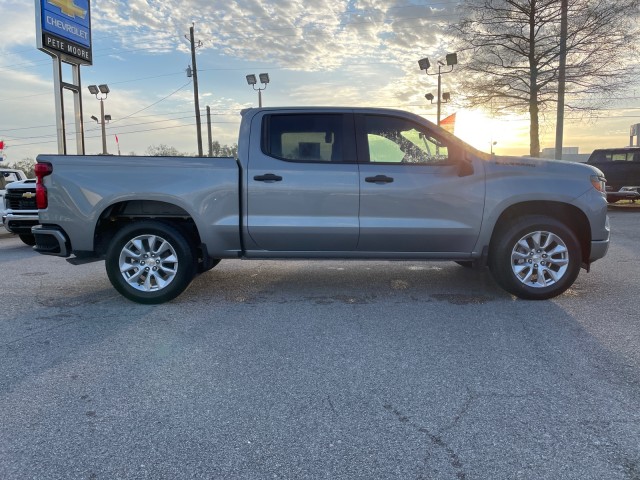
<point x="319" y="183"/>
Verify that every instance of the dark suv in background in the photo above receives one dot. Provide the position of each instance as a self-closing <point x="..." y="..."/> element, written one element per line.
<point x="621" y="167"/>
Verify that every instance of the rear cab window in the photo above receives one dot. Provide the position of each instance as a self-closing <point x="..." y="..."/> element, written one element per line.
<point x="318" y="138"/>
<point x="617" y="156"/>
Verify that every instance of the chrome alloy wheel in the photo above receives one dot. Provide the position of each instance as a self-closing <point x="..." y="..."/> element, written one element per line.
<point x="539" y="259"/>
<point x="148" y="263"/>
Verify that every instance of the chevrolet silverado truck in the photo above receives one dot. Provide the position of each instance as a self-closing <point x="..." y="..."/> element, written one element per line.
<point x="324" y="183"/>
<point x="21" y="212"/>
<point x="8" y="176"/>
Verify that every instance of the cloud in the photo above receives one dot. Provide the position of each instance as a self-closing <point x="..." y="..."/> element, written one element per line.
<point x="328" y="39"/>
<point x="17" y="29"/>
<point x="350" y="52"/>
<point x="296" y="34"/>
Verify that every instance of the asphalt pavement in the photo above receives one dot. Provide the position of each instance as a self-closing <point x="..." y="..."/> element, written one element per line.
<point x="325" y="369"/>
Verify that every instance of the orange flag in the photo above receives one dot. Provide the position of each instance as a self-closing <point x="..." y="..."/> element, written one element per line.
<point x="449" y="123"/>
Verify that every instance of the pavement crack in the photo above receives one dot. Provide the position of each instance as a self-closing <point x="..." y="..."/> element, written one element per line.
<point x="43" y="330"/>
<point x="436" y="438"/>
<point x="631" y="469"/>
<point x="471" y="397"/>
<point x="333" y="409"/>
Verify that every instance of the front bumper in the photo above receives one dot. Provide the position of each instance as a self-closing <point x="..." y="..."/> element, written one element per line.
<point x="599" y="248"/>
<point x="20" y="223"/>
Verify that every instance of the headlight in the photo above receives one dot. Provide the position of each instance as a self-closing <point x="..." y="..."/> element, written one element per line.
<point x="599" y="182"/>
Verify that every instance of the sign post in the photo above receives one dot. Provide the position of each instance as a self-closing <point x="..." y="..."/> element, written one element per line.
<point x="63" y="30"/>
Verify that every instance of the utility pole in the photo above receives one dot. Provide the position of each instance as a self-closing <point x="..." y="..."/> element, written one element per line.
<point x="195" y="86"/>
<point x="439" y="92"/>
<point x="209" y="131"/>
<point x="562" y="70"/>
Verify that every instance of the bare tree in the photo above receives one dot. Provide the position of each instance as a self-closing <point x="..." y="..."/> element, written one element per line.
<point x="27" y="165"/>
<point x="163" y="150"/>
<point x="510" y="53"/>
<point x="224" y="150"/>
<point x="219" y="150"/>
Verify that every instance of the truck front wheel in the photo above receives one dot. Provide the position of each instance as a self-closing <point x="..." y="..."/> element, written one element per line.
<point x="150" y="262"/>
<point x="28" y="239"/>
<point x="535" y="258"/>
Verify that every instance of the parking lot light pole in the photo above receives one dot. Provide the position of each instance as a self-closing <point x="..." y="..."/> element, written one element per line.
<point x="101" y="92"/>
<point x="252" y="80"/>
<point x="424" y="64"/>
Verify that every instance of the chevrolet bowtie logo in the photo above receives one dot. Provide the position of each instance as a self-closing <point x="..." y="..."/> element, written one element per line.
<point x="69" y="8"/>
<point x="28" y="195"/>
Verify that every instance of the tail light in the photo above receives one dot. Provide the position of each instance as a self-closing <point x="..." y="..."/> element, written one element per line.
<point x="42" y="170"/>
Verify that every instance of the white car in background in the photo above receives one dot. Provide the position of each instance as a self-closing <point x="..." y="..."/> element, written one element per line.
<point x="8" y="175"/>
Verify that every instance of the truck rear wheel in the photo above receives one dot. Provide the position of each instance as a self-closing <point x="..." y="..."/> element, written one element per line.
<point x="535" y="258"/>
<point x="150" y="262"/>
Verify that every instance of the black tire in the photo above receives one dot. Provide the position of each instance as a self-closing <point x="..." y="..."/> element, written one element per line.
<point x="514" y="267"/>
<point x="169" y="258"/>
<point x="28" y="238"/>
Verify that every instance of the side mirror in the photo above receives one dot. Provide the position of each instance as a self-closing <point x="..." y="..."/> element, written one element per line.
<point x="465" y="165"/>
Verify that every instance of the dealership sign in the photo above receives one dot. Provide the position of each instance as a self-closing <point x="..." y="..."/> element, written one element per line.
<point x="63" y="28"/>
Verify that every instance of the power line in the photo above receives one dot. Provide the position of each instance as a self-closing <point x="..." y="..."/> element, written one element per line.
<point x="88" y="123"/>
<point x="232" y="112"/>
<point x="120" y="133"/>
<point x="155" y="103"/>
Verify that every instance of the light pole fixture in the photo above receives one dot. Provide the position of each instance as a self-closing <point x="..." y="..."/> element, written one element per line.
<point x="252" y="80"/>
<point x="101" y="92"/>
<point x="451" y="59"/>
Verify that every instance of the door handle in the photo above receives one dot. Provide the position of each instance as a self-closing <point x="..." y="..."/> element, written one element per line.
<point x="267" y="177"/>
<point x="379" y="179"/>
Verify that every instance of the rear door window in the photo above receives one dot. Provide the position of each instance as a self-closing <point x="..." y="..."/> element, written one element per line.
<point x="306" y="138"/>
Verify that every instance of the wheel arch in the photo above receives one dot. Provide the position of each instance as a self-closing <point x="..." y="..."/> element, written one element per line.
<point x="121" y="213"/>
<point x="568" y="214"/>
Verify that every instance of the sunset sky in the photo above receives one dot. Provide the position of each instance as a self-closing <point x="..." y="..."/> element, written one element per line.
<point x="325" y="52"/>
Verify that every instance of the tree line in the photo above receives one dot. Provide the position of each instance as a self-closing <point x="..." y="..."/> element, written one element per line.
<point x="27" y="164"/>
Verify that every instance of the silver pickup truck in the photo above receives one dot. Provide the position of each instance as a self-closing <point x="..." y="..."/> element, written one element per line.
<point x="321" y="182"/>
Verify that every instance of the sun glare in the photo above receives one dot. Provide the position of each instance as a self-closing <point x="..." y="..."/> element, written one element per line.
<point x="508" y="135"/>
